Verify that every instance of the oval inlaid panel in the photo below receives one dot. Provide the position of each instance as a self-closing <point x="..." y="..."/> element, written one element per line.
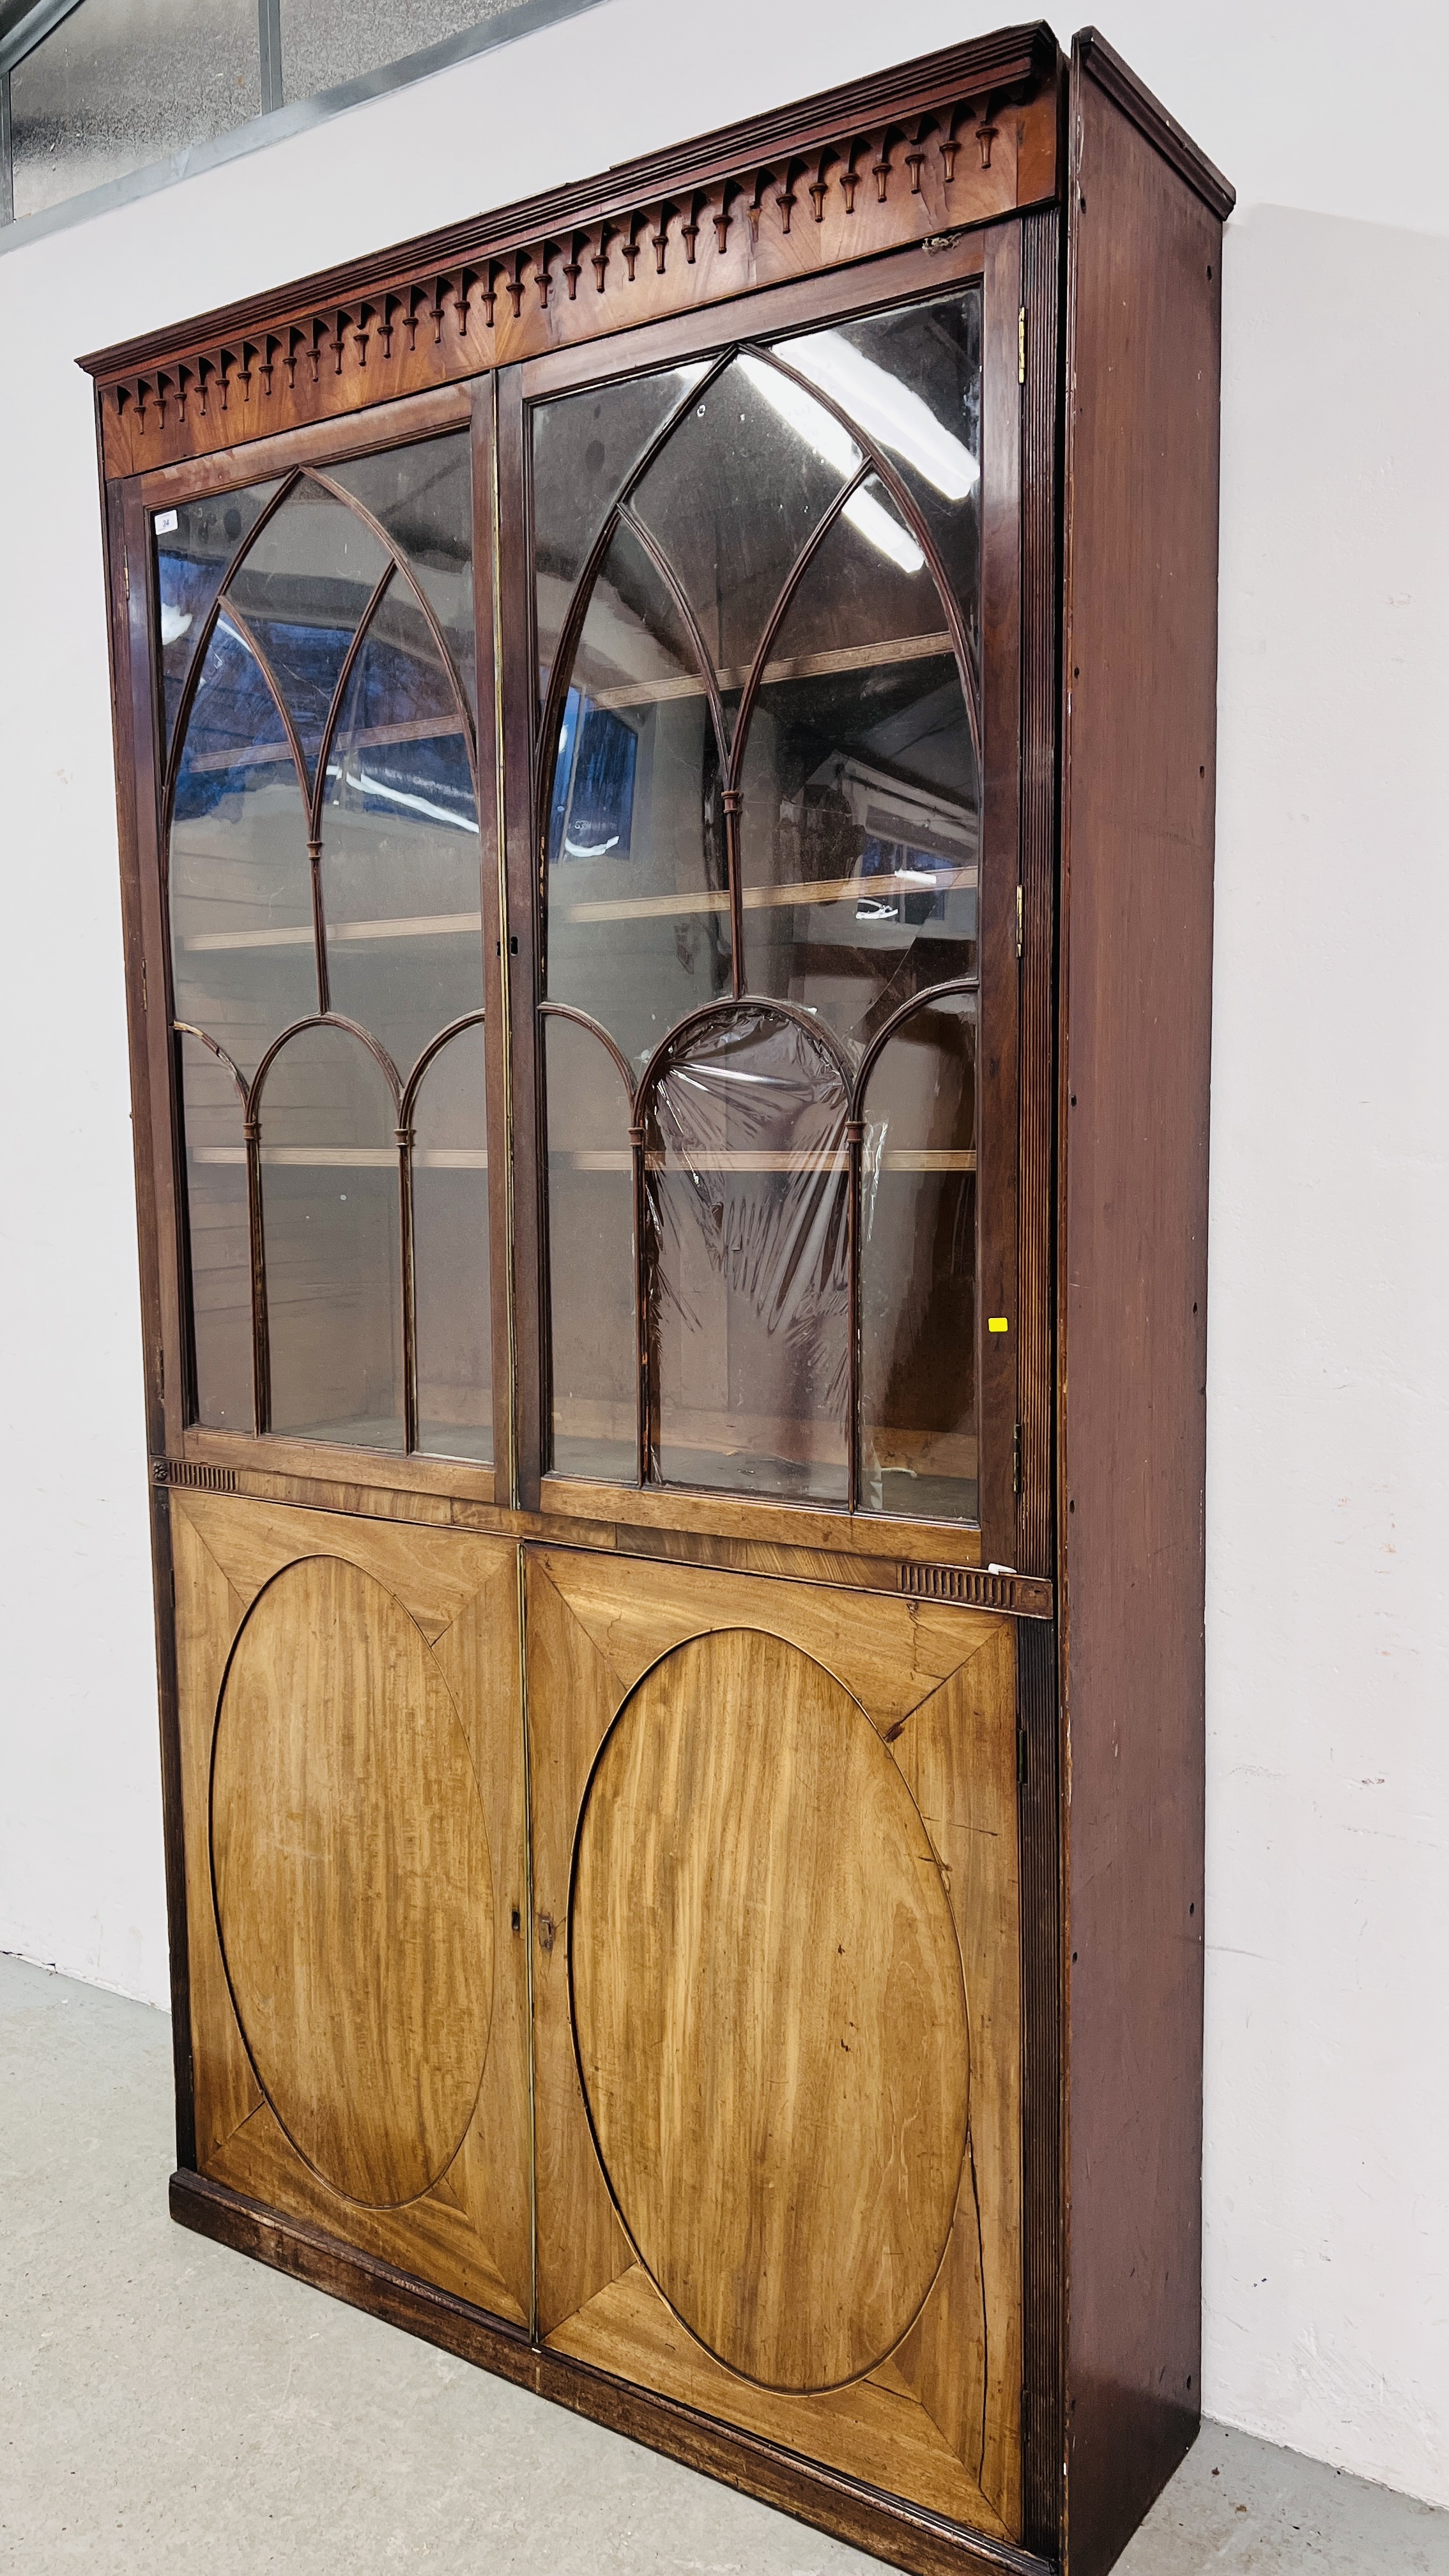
<point x="769" y="2011"/>
<point x="353" y="1887"/>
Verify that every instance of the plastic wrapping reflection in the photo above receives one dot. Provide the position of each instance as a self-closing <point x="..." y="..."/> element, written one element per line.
<point x="746" y="1275"/>
<point x="326" y="936"/>
<point x="765" y="789"/>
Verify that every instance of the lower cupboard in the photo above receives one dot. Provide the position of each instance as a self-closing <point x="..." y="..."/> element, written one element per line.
<point x="745" y="2129"/>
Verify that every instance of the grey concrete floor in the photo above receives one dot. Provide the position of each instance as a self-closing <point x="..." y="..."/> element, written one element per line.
<point x="168" y="2406"/>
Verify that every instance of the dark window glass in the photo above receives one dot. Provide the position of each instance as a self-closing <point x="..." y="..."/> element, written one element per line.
<point x="918" y="1268"/>
<point x="746" y="1198"/>
<point x="332" y="1231"/>
<point x="638" y="909"/>
<point x="122" y="82"/>
<point x="423" y="497"/>
<point x="243" y="953"/>
<point x="220" y="1240"/>
<point x="400" y="861"/>
<point x="584" y="449"/>
<point x="860" y="822"/>
<point x="303" y="589"/>
<point x="735" y="492"/>
<point x="591" y="1259"/>
<point x="450" y="1253"/>
<point x="195" y="542"/>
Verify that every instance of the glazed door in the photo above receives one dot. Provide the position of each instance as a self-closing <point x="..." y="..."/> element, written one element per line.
<point x="771" y="871"/>
<point x="777" y="2014"/>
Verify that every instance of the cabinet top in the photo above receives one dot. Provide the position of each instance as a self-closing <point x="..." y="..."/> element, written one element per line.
<point x="912" y="155"/>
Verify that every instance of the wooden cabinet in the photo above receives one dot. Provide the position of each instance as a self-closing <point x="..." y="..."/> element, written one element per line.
<point x="665" y="745"/>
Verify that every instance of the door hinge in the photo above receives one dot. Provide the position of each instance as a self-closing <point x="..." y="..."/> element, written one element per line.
<point x="1020" y="922"/>
<point x="145" y="1005"/>
<point x="1021" y="1757"/>
<point x="126" y="575"/>
<point x="1021" y="346"/>
<point x="1016" y="1458"/>
<point x="161" y="1369"/>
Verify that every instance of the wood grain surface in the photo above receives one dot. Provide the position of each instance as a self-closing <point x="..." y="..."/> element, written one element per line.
<point x="371" y="1881"/>
<point x="937" y="1687"/>
<point x="1140" y="638"/>
<point x="354" y="1890"/>
<point x="769" y="2010"/>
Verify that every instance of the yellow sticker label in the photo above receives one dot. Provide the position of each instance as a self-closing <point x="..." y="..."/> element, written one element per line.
<point x="996" y="1324"/>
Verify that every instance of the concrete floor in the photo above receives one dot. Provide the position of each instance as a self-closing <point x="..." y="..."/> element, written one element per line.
<point x="168" y="2406"/>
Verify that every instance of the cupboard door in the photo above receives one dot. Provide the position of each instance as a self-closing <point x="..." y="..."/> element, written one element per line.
<point x="777" y="2013"/>
<point x="352" y="1793"/>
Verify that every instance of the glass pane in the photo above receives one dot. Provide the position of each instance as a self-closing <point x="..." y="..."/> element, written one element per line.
<point x="423" y="496"/>
<point x="327" y="42"/>
<point x="332" y="1229"/>
<point x="303" y="589"/>
<point x="219" y="1240"/>
<point x="638" y="912"/>
<point x="123" y="82"/>
<point x="400" y="859"/>
<point x="450" y="1253"/>
<point x="912" y="379"/>
<point x="584" y="449"/>
<point x="243" y="957"/>
<point x="591" y="1260"/>
<point x="735" y="492"/>
<point x="860" y="823"/>
<point x="918" y="1268"/>
<point x="194" y="544"/>
<point x="746" y="1259"/>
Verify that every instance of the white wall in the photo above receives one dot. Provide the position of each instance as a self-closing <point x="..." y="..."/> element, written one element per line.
<point x="1328" y="2071"/>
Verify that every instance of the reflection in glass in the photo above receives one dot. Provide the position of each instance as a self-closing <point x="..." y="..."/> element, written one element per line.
<point x="860" y="823"/>
<point x="122" y="82"/>
<point x="735" y="492"/>
<point x="746" y="1230"/>
<point x="303" y="589"/>
<point x="638" y="911"/>
<point x="584" y="449"/>
<point x="423" y="496"/>
<point x="193" y="548"/>
<point x="593" y="1346"/>
<point x="912" y="379"/>
<point x="400" y="857"/>
<point x="918" y="1268"/>
<point x="331" y="1225"/>
<point x="243" y="955"/>
<point x="450" y="1253"/>
<point x="218" y="1240"/>
<point x="327" y="42"/>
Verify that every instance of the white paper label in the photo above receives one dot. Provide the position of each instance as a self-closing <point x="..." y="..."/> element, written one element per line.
<point x="165" y="523"/>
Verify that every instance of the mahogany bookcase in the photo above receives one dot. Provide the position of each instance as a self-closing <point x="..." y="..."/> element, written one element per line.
<point x="665" y="742"/>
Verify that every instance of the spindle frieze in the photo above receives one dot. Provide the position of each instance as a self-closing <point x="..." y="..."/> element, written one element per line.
<point x="952" y="141"/>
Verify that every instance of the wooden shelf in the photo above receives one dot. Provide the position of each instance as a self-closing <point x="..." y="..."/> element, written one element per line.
<point x="776" y="898"/>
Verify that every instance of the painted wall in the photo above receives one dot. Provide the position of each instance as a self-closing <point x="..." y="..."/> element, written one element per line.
<point x="1328" y="2071"/>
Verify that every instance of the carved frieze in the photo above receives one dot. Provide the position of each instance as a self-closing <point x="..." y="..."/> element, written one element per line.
<point x="943" y="144"/>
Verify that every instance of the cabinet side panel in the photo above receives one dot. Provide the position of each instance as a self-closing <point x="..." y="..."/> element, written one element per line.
<point x="1140" y="651"/>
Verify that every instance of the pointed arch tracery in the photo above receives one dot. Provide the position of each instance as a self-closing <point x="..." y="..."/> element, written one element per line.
<point x="856" y="1064"/>
<point x="312" y="779"/>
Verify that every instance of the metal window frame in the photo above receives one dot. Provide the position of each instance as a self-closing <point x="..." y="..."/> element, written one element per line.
<point x="23" y="28"/>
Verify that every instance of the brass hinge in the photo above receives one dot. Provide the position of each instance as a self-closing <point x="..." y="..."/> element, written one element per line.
<point x="161" y="1368"/>
<point x="1021" y="346"/>
<point x="145" y="1005"/>
<point x="126" y="575"/>
<point x="1020" y="922"/>
<point x="1016" y="1458"/>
